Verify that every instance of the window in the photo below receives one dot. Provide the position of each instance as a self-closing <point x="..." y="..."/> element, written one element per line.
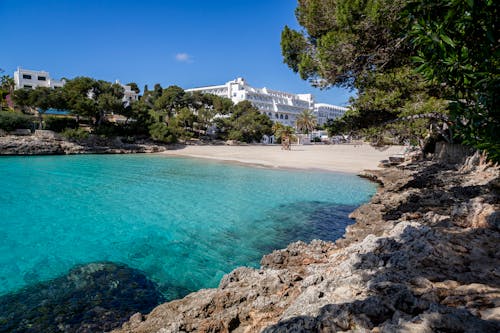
<point x="281" y="116"/>
<point x="27" y="86"/>
<point x="42" y="78"/>
<point x="276" y="116"/>
<point x="286" y="116"/>
<point x="27" y="77"/>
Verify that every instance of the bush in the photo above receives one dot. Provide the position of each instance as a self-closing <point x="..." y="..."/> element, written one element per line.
<point x="75" y="134"/>
<point x="161" y="132"/>
<point x="59" y="124"/>
<point x="10" y="121"/>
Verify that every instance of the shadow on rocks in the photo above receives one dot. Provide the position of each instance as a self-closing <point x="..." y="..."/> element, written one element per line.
<point x="436" y="270"/>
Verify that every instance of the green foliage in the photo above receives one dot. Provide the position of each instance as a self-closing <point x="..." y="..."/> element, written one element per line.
<point x="78" y="93"/>
<point x="162" y="133"/>
<point x="59" y="124"/>
<point x="306" y="121"/>
<point x="344" y="40"/>
<point x="281" y="131"/>
<point x="170" y="100"/>
<point x="457" y="46"/>
<point x="6" y="88"/>
<point x="86" y="97"/>
<point x="76" y="134"/>
<point x="392" y="94"/>
<point x="247" y="124"/>
<point x="9" y="121"/>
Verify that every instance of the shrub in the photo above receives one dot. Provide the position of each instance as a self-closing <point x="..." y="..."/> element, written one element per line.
<point x="59" y="124"/>
<point x="75" y="134"/>
<point x="10" y="121"/>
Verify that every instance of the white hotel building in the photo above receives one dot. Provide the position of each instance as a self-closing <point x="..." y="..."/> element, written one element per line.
<point x="280" y="106"/>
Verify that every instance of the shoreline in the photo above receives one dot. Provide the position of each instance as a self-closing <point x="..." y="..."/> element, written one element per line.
<point x="343" y="158"/>
<point x="348" y="159"/>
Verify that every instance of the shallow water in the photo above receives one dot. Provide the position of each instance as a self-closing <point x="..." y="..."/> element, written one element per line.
<point x="183" y="222"/>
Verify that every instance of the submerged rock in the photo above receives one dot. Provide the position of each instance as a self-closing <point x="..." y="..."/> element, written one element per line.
<point x="92" y="298"/>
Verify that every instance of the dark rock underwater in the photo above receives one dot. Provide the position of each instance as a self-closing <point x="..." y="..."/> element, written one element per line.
<point x="95" y="297"/>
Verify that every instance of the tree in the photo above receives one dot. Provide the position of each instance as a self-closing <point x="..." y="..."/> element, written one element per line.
<point x="170" y="100"/>
<point x="284" y="134"/>
<point x="306" y="121"/>
<point x="247" y="124"/>
<point x="184" y="121"/>
<point x="109" y="97"/>
<point x="79" y="94"/>
<point x="6" y="88"/>
<point x="21" y="98"/>
<point x="41" y="99"/>
<point x="157" y="90"/>
<point x="87" y="97"/>
<point x="344" y="40"/>
<point x="362" y="45"/>
<point x="161" y="132"/>
<point x="457" y="46"/>
<point x="141" y="114"/>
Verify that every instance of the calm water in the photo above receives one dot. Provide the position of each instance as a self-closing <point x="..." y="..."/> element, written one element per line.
<point x="184" y="222"/>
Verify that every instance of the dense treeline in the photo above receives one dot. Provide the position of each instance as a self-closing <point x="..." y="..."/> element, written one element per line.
<point x="164" y="114"/>
<point x="405" y="58"/>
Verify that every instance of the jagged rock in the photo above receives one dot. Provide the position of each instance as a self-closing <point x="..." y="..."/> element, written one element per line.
<point x="421" y="257"/>
<point x="49" y="143"/>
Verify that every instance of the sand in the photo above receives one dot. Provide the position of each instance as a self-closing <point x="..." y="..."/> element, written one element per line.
<point x="339" y="158"/>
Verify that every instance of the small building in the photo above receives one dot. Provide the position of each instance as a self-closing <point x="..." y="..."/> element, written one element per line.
<point x="129" y="95"/>
<point x="26" y="78"/>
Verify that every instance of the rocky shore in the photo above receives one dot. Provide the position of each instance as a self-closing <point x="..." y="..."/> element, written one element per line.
<point x="49" y="143"/>
<point x="421" y="257"/>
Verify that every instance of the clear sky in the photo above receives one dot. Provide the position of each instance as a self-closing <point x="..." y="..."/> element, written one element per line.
<point x="189" y="43"/>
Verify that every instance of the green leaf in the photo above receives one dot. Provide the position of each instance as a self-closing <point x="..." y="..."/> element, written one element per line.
<point x="447" y="40"/>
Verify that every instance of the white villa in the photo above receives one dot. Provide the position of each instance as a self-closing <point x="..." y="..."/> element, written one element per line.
<point x="26" y="78"/>
<point x="280" y="106"/>
<point x="30" y="79"/>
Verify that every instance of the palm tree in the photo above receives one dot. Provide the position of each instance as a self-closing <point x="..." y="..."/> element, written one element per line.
<point x="6" y="88"/>
<point x="284" y="134"/>
<point x="306" y="121"/>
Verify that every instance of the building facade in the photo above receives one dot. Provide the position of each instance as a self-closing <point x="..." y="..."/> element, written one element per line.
<point x="282" y="107"/>
<point x="129" y="95"/>
<point x="26" y="78"/>
<point x="324" y="112"/>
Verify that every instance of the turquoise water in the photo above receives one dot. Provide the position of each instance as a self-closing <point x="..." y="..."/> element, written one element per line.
<point x="184" y="222"/>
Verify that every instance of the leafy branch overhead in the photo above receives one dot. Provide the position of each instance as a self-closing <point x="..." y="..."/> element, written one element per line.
<point x="404" y="57"/>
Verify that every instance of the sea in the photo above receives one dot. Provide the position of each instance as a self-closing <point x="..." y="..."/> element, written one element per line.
<point x="182" y="222"/>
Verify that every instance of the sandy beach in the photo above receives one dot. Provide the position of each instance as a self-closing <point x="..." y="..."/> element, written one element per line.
<point x="339" y="158"/>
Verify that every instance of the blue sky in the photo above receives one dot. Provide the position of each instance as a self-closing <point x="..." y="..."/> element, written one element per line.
<point x="188" y="43"/>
